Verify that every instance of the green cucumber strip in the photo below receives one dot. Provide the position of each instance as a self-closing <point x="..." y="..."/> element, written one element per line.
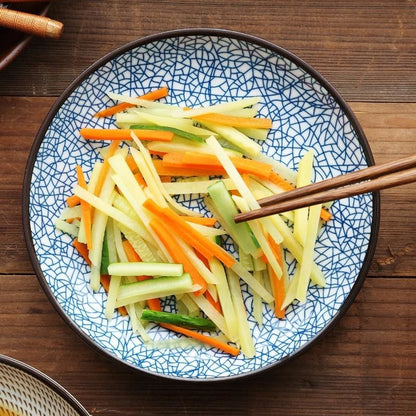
<point x="256" y="243"/>
<point x="178" y="319"/>
<point x="154" y="288"/>
<point x="218" y="240"/>
<point x="224" y="204"/>
<point x="173" y="130"/>
<point x="105" y="256"/>
<point x="146" y="269"/>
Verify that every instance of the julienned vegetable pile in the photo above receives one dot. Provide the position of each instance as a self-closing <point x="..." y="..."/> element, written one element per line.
<point x="143" y="245"/>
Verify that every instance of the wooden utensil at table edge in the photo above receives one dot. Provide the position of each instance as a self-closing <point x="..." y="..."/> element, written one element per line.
<point x="374" y="178"/>
<point x="30" y="23"/>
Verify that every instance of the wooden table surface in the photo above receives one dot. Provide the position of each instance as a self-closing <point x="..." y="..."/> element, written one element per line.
<point x="367" y="364"/>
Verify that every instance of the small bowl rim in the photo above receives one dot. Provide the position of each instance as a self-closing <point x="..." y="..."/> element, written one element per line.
<point x="46" y="380"/>
<point x="213" y="33"/>
<point x="11" y="54"/>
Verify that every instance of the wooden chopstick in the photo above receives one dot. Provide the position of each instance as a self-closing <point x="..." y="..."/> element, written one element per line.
<point x="396" y="173"/>
<point x="347" y="179"/>
<point x="32" y="24"/>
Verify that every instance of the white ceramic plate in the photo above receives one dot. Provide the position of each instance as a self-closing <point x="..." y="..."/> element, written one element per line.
<point x="203" y="67"/>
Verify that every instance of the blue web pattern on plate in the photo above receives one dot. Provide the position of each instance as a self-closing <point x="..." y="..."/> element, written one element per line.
<point x="201" y="70"/>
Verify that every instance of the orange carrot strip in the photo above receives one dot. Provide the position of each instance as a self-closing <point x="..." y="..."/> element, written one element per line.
<point x="132" y="164"/>
<point x="276" y="249"/>
<point x="154" y="152"/>
<point x="152" y="95"/>
<point x="85" y="208"/>
<point x="177" y="160"/>
<point x="140" y="180"/>
<point x="82" y="250"/>
<point x="208" y="161"/>
<point x="163" y="170"/>
<point x="130" y="252"/>
<point x="105" y="281"/>
<point x="215" y="303"/>
<point x="202" y="258"/>
<point x="105" y="167"/>
<point x="173" y="159"/>
<point x="203" y="338"/>
<point x="166" y="179"/>
<point x="251" y="167"/>
<point x="278" y="284"/>
<point x="209" y="222"/>
<point x="234" y="121"/>
<point x="210" y="299"/>
<point x="325" y="215"/>
<point x="186" y="232"/>
<point x="243" y="165"/>
<point x="189" y="237"/>
<point x="73" y="200"/>
<point x="246" y="178"/>
<point x="70" y="220"/>
<point x="154" y="304"/>
<point x="132" y="256"/>
<point x="279" y="181"/>
<point x="177" y="254"/>
<point x="125" y="134"/>
<point x="189" y="234"/>
<point x="279" y="294"/>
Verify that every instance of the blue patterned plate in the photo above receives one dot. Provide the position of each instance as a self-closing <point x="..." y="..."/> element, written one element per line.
<point x="203" y="67"/>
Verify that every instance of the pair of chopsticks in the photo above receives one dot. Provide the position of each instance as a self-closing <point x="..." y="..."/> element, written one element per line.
<point x="374" y="178"/>
<point x="29" y="23"/>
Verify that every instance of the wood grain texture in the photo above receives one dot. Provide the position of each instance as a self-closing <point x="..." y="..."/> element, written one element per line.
<point x="20" y="119"/>
<point x="365" y="366"/>
<point x="391" y="132"/>
<point x="366" y="49"/>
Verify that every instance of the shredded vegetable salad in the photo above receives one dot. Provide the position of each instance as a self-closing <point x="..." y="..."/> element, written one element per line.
<point x="143" y="246"/>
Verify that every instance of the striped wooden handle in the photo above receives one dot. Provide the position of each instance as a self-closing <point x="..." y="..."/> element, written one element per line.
<point x="30" y="23"/>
